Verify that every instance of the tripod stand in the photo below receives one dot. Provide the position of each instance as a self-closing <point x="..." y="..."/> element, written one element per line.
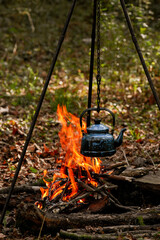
<point x="90" y="82"/>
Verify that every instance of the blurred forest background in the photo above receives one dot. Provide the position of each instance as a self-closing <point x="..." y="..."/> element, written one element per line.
<point x="30" y="31"/>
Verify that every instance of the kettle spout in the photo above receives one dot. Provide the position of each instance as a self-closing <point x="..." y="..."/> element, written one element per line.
<point x="119" y="139"/>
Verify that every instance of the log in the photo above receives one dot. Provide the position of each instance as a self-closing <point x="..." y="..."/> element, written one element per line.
<point x="18" y="198"/>
<point x="30" y="218"/>
<point x="21" y="188"/>
<point x="150" y="182"/>
<point x="118" y="228"/>
<point x="85" y="236"/>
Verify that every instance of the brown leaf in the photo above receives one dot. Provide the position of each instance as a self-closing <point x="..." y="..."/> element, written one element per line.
<point x="98" y="205"/>
<point x="31" y="148"/>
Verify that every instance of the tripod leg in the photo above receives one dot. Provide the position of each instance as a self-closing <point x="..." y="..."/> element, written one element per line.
<point x="140" y="53"/>
<point x="37" y="110"/>
<point x="92" y="59"/>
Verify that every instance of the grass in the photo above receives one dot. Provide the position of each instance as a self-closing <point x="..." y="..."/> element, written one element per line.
<point x="30" y="33"/>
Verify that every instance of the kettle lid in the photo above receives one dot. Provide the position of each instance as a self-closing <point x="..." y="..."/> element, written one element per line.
<point x="97" y="127"/>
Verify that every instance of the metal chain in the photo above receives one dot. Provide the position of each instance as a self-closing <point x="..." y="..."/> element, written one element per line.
<point x="98" y="77"/>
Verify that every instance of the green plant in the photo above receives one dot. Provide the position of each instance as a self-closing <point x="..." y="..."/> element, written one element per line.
<point x="136" y="134"/>
<point x="33" y="170"/>
<point x="140" y="220"/>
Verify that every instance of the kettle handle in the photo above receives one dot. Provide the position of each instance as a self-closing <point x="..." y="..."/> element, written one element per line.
<point x="96" y="109"/>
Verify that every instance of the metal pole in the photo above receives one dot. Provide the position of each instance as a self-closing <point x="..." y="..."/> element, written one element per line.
<point x="92" y="60"/>
<point x="134" y="39"/>
<point x="38" y="109"/>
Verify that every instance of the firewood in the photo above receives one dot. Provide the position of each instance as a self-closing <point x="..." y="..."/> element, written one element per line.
<point x="136" y="172"/>
<point x="21" y="188"/>
<point x="85" y="186"/>
<point x="86" y="236"/>
<point x="120" y="206"/>
<point x="29" y="218"/>
<point x="118" y="228"/>
<point x="150" y="182"/>
<point x="115" y="177"/>
<point x="114" y="165"/>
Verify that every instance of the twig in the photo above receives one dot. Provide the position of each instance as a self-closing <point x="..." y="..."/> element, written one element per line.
<point x="144" y="151"/>
<point x="118" y="228"/>
<point x="29" y="18"/>
<point x="15" y="49"/>
<point x="114" y="177"/>
<point x="121" y="206"/>
<point x="150" y="159"/>
<point x="41" y="227"/>
<point x="85" y="186"/>
<point x="65" y="189"/>
<point x="114" y="198"/>
<point x="125" y="156"/>
<point x="85" y="236"/>
<point x="102" y="181"/>
<point x="115" y="165"/>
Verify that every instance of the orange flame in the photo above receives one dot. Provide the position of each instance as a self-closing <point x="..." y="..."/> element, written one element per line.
<point x="70" y="138"/>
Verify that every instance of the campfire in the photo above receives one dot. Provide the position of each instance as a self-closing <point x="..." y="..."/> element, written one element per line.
<point x="84" y="194"/>
<point x="77" y="184"/>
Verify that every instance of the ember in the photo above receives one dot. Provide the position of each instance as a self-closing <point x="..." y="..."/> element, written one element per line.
<point x="77" y="171"/>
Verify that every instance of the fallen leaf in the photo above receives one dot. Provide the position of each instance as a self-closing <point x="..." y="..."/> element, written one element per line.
<point x="2" y="236"/>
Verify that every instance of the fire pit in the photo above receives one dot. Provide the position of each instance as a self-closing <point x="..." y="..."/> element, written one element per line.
<point x="80" y="200"/>
<point x="78" y="184"/>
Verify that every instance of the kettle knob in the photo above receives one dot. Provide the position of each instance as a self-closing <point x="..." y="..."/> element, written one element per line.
<point x="97" y="121"/>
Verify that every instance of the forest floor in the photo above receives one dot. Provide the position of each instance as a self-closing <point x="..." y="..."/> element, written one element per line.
<point x="26" y="53"/>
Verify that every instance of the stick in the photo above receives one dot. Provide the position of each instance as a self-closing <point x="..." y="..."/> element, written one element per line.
<point x="109" y="229"/>
<point x="121" y="206"/>
<point x="115" y="165"/>
<point x="114" y="177"/>
<point x="125" y="156"/>
<point x="85" y="186"/>
<point x="85" y="236"/>
<point x="41" y="227"/>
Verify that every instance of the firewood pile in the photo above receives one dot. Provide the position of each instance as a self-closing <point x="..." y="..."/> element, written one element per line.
<point x="95" y="212"/>
<point x="94" y="199"/>
<point x="91" y="199"/>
